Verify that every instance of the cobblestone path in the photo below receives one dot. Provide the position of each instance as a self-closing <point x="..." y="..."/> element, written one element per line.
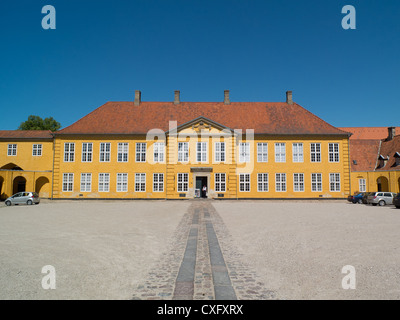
<point x="202" y="263"/>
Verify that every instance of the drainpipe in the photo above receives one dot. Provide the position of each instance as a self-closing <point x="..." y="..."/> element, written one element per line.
<point x="52" y="172"/>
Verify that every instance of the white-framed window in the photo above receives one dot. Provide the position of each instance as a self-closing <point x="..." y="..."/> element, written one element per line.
<point x="316" y="182"/>
<point x="201" y="152"/>
<point x="69" y="152"/>
<point x="158" y="151"/>
<point x="244" y="152"/>
<point x="12" y="150"/>
<point x="68" y="182"/>
<point x="87" y="152"/>
<point x="244" y="182"/>
<point x="158" y="182"/>
<point x="123" y="151"/>
<point x="262" y="182"/>
<point x="298" y="182"/>
<point x="315" y="150"/>
<point x="220" y="152"/>
<point x="334" y="182"/>
<point x="86" y="182"/>
<point x="141" y="151"/>
<point x="280" y="152"/>
<point x="122" y="182"/>
<point x="140" y="182"/>
<point x="104" y="182"/>
<point x="297" y="150"/>
<point x="37" y="150"/>
<point x="183" y="182"/>
<point x="220" y="182"/>
<point x="183" y="151"/>
<point x="334" y="152"/>
<point x="105" y="152"/>
<point x="262" y="152"/>
<point x="280" y="182"/>
<point x="362" y="185"/>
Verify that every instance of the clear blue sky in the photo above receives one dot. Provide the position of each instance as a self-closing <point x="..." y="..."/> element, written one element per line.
<point x="103" y="50"/>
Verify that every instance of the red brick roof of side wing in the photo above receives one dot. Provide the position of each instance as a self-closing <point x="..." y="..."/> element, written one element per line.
<point x="368" y="133"/>
<point x="365" y="153"/>
<point x="25" y="134"/>
<point x="388" y="149"/>
<point x="264" y="117"/>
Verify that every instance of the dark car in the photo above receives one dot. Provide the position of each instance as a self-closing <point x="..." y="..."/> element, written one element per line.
<point x="396" y="201"/>
<point x="356" y="198"/>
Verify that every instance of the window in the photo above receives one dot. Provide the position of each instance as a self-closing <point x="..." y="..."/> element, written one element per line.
<point x="104" y="182"/>
<point x="68" y="182"/>
<point x="105" y="151"/>
<point x="244" y="152"/>
<point x="297" y="149"/>
<point x="37" y="150"/>
<point x="334" y="182"/>
<point x="141" y="152"/>
<point x="158" y="182"/>
<point x="122" y="182"/>
<point x="69" y="152"/>
<point x="86" y="182"/>
<point x="280" y="152"/>
<point x="262" y="152"/>
<point x="87" y="152"/>
<point x="244" y="182"/>
<point x="316" y="182"/>
<point x="183" y="152"/>
<point x="183" y="182"/>
<point x="123" y="150"/>
<point x="362" y="183"/>
<point x="158" y="152"/>
<point x="298" y="182"/>
<point x="315" y="152"/>
<point x="334" y="152"/>
<point x="280" y="182"/>
<point x="140" y="182"/>
<point x="201" y="155"/>
<point x="220" y="182"/>
<point x="220" y="152"/>
<point x="12" y="150"/>
<point x="262" y="182"/>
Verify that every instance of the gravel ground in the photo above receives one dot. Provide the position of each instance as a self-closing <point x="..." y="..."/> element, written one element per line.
<point x="298" y="249"/>
<point x="100" y="250"/>
<point x="108" y="249"/>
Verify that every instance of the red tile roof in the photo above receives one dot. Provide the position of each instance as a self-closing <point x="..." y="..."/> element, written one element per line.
<point x="367" y="133"/>
<point x="25" y="134"/>
<point x="264" y="118"/>
<point x="388" y="150"/>
<point x="364" y="153"/>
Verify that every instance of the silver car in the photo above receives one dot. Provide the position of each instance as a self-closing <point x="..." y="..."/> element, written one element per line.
<point x="381" y="198"/>
<point x="23" y="198"/>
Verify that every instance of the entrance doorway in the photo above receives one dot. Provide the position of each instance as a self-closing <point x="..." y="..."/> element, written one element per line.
<point x="19" y="184"/>
<point x="200" y="183"/>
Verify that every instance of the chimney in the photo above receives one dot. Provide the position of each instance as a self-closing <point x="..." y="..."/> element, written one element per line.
<point x="177" y="99"/>
<point x="138" y="97"/>
<point x="226" y="97"/>
<point x="391" y="133"/>
<point x="289" y="99"/>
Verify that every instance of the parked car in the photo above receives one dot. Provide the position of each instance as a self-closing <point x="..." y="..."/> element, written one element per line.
<point x="396" y="201"/>
<point x="365" y="197"/>
<point x="381" y="198"/>
<point x="23" y="198"/>
<point x="356" y="198"/>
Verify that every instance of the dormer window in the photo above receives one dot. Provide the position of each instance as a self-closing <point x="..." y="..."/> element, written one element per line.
<point x="397" y="157"/>
<point x="382" y="161"/>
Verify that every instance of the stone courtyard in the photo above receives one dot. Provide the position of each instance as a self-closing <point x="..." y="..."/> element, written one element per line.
<point x="199" y="249"/>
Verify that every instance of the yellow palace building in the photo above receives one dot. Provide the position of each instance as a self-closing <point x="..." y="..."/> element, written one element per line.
<point x="172" y="150"/>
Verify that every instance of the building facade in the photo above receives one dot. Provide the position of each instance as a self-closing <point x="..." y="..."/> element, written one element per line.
<point x="172" y="150"/>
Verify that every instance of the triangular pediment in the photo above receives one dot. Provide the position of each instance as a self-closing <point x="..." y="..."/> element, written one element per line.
<point x="201" y="125"/>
